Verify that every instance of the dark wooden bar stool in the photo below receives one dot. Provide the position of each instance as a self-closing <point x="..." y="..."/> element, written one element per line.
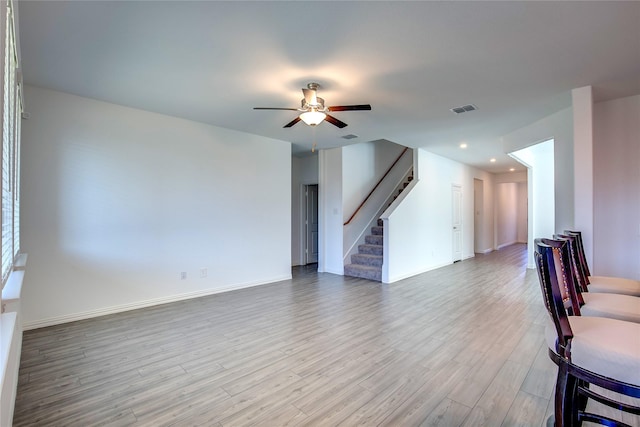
<point x="588" y="350"/>
<point x="602" y="284"/>
<point x="593" y="304"/>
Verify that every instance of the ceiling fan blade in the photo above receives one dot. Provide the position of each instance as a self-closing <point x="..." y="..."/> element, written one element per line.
<point x="310" y="96"/>
<point x="292" y="122"/>
<point x="335" y="121"/>
<point x="361" y="107"/>
<point x="274" y="108"/>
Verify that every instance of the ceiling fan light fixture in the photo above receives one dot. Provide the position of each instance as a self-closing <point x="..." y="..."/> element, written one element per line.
<point x="313" y="118"/>
<point x="312" y="110"/>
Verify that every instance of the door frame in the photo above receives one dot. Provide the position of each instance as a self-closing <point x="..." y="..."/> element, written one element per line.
<point x="478" y="216"/>
<point x="304" y="222"/>
<point x="454" y="230"/>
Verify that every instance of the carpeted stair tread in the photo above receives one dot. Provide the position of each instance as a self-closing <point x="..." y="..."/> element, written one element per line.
<point x="377" y="230"/>
<point x="373" y="239"/>
<point x="367" y="259"/>
<point x="370" y="249"/>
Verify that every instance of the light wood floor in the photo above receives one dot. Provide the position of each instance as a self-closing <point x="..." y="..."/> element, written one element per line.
<point x="457" y="346"/>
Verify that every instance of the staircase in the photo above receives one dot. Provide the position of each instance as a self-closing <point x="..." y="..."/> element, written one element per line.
<point x="367" y="263"/>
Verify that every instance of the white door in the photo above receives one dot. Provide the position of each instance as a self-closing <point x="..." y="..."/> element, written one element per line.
<point x="478" y="209"/>
<point x="311" y="249"/>
<point x="456" y="197"/>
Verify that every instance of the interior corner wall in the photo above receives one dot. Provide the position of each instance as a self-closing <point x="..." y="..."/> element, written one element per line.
<point x="118" y="202"/>
<point x="506" y="214"/>
<point x="330" y="236"/>
<point x="420" y="234"/>
<point x="487" y="223"/>
<point x="363" y="165"/>
<point x="559" y="127"/>
<point x="616" y="198"/>
<point x="511" y="218"/>
<point x="304" y="171"/>
<point x="539" y="159"/>
<point x="522" y="213"/>
<point x="583" y="166"/>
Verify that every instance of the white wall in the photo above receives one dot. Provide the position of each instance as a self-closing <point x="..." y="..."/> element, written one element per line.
<point x="117" y="202"/>
<point x="304" y="171"/>
<point x="511" y="208"/>
<point x="616" y="197"/>
<point x="506" y="214"/>
<point x="363" y="165"/>
<point x="559" y="127"/>
<point x="540" y="186"/>
<point x="486" y="222"/>
<point x="418" y="233"/>
<point x="522" y="213"/>
<point x="583" y="166"/>
<point x="330" y="236"/>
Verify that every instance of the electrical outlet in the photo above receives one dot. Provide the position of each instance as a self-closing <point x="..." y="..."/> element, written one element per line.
<point x="183" y="275"/>
<point x="203" y="272"/>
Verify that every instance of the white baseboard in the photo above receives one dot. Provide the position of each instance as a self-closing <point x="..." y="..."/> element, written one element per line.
<point x="143" y="304"/>
<point x="486" y="251"/>
<point x="504" y="245"/>
<point x="406" y="276"/>
<point x="332" y="271"/>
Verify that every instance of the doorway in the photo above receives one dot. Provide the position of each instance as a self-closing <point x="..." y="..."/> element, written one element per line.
<point x="311" y="224"/>
<point x="539" y="160"/>
<point x="456" y="198"/>
<point x="478" y="216"/>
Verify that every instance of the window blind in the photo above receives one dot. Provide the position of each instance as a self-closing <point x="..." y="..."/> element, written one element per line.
<point x="10" y="150"/>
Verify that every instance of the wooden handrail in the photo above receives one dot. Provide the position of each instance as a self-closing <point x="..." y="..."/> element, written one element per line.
<point x="376" y="186"/>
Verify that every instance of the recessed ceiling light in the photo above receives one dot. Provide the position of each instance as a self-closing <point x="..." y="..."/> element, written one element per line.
<point x="493" y="160"/>
<point x="511" y="170"/>
<point x="463" y="145"/>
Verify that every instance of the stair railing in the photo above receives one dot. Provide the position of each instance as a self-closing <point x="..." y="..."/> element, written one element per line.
<point x="376" y="186"/>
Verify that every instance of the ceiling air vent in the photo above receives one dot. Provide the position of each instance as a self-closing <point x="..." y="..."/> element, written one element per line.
<point x="464" y="109"/>
<point x="350" y="136"/>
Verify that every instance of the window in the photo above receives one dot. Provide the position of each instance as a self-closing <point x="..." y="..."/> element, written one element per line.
<point x="11" y="112"/>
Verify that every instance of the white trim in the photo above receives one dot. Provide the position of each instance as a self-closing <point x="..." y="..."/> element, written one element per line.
<point x="20" y="262"/>
<point x="504" y="245"/>
<point x="148" y="303"/>
<point x="10" y="349"/>
<point x="11" y="292"/>
<point x="415" y="273"/>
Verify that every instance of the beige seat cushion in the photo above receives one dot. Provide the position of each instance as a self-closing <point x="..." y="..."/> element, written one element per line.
<point x="608" y="347"/>
<point x="614" y="285"/>
<point x="621" y="307"/>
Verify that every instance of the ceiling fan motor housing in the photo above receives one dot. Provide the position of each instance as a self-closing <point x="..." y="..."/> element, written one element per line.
<point x="319" y="106"/>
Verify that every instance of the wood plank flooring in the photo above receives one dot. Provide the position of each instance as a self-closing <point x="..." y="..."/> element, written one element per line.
<point x="458" y="346"/>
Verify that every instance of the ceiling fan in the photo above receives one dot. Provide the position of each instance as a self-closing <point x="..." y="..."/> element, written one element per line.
<point x="313" y="111"/>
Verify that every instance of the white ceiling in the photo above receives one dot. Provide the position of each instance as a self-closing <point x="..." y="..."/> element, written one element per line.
<point x="213" y="61"/>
